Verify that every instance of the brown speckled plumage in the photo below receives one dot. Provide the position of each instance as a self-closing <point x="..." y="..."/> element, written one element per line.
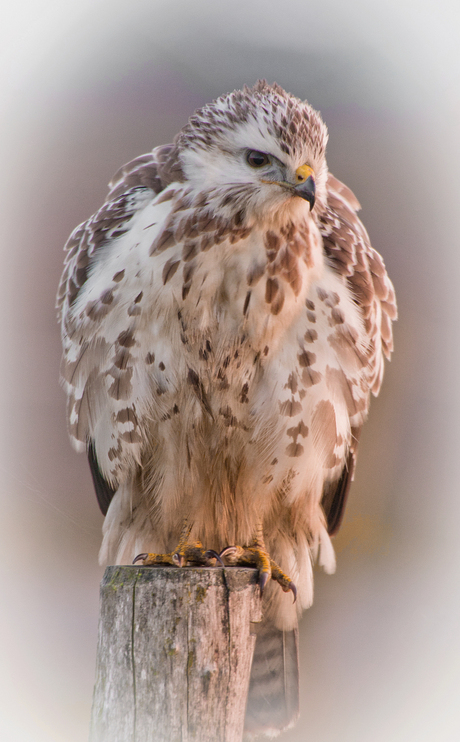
<point x="221" y="342"/>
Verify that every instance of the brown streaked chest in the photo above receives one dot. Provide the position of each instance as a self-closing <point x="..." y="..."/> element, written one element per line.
<point x="255" y="287"/>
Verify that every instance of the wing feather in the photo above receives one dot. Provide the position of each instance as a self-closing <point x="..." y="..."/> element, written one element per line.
<point x="349" y="252"/>
<point x="104" y="491"/>
<point x="335" y="494"/>
<point x="100" y="370"/>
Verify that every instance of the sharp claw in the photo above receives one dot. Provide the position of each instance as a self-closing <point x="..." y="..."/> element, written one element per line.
<point x="228" y="550"/>
<point x="214" y="555"/>
<point x="263" y="579"/>
<point x="179" y="560"/>
<point x="139" y="557"/>
<point x="294" y="590"/>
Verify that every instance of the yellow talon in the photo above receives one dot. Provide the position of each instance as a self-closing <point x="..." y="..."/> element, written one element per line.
<point x="256" y="555"/>
<point x="186" y="552"/>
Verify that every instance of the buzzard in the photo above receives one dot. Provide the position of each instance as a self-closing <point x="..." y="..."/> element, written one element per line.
<point x="224" y="322"/>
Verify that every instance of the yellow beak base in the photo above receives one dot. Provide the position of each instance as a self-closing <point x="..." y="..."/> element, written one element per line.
<point x="303" y="173"/>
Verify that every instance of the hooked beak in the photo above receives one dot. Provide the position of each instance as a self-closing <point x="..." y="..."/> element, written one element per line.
<point x="306" y="191"/>
<point x="304" y="187"/>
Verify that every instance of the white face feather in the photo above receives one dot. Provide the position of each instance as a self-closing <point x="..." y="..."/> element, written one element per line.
<point x="214" y="144"/>
<point x="223" y="168"/>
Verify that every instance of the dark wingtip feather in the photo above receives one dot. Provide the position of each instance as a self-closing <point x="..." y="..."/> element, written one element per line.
<point x="104" y="491"/>
<point x="336" y="495"/>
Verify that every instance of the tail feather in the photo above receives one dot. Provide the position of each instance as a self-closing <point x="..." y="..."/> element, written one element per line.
<point x="273" y="697"/>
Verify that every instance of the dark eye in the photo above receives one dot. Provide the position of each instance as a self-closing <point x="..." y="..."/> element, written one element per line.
<point x="257" y="159"/>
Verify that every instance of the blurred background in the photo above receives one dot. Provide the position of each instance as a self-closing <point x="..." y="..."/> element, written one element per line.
<point x="88" y="85"/>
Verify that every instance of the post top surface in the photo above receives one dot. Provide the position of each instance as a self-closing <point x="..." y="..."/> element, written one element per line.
<point x="235" y="578"/>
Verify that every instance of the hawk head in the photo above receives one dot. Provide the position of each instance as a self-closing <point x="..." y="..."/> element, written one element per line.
<point x="260" y="151"/>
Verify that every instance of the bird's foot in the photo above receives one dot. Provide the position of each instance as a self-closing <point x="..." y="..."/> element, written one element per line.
<point x="186" y="552"/>
<point x="256" y="556"/>
<point x="191" y="553"/>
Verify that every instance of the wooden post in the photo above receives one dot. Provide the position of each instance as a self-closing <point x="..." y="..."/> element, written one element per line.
<point x="174" y="654"/>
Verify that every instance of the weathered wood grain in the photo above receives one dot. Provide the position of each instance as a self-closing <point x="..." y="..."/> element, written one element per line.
<point x="174" y="654"/>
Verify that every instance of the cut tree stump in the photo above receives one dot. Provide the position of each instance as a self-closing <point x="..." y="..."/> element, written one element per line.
<point x="174" y="654"/>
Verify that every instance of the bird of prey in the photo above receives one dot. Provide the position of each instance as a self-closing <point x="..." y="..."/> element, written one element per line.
<point x="224" y="322"/>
